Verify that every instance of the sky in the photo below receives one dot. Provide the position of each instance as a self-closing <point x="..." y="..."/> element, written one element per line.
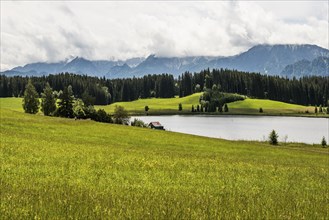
<point x="52" y="31"/>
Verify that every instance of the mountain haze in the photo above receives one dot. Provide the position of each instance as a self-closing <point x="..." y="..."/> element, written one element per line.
<point x="266" y="59"/>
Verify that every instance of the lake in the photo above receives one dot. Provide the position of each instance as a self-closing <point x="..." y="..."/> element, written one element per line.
<point x="290" y="129"/>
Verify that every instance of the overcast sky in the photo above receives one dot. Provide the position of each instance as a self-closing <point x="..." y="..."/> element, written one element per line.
<point x="33" y="31"/>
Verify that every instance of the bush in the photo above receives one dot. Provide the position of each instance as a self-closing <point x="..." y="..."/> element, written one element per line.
<point x="138" y="123"/>
<point x="78" y="109"/>
<point x="225" y="108"/>
<point x="120" y="115"/>
<point x="102" y="116"/>
<point x="147" y="108"/>
<point x="228" y="98"/>
<point x="260" y="110"/>
<point x="90" y="112"/>
<point x="273" y="138"/>
<point x="180" y="107"/>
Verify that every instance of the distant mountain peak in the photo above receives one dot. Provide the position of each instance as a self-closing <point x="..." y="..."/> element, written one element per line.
<point x="262" y="58"/>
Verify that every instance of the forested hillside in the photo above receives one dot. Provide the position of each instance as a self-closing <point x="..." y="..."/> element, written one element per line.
<point x="306" y="90"/>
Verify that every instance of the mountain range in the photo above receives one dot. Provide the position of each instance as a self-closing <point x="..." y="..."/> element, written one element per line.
<point x="288" y="60"/>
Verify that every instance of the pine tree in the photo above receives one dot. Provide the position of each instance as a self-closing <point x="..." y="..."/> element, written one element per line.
<point x="323" y="142"/>
<point x="65" y="106"/>
<point x="273" y="138"/>
<point x="30" y="101"/>
<point x="48" y="101"/>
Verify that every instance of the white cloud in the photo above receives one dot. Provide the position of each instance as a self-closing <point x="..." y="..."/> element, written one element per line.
<point x="51" y="31"/>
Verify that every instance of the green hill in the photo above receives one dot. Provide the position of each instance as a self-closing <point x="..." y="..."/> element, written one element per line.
<point x="55" y="168"/>
<point x="269" y="106"/>
<point x="170" y="106"/>
<point x="157" y="104"/>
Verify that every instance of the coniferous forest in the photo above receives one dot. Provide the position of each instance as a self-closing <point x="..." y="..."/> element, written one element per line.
<point x="313" y="90"/>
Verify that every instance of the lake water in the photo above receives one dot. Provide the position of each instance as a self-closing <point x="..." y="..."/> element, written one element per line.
<point x="293" y="129"/>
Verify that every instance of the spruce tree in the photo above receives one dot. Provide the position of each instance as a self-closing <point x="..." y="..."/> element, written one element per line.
<point x="323" y="142"/>
<point x="273" y="138"/>
<point x="48" y="101"/>
<point x="31" y="99"/>
<point x="65" y="106"/>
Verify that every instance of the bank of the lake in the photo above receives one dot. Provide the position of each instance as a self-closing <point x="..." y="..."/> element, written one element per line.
<point x="290" y="129"/>
<point x="249" y="106"/>
<point x="160" y="107"/>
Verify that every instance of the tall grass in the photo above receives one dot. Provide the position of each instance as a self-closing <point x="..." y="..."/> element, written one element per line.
<point x="54" y="168"/>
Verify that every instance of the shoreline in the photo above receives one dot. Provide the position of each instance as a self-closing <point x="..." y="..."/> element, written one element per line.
<point x="228" y="114"/>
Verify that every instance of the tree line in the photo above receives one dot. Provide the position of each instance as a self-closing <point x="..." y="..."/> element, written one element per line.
<point x="67" y="106"/>
<point x="313" y="90"/>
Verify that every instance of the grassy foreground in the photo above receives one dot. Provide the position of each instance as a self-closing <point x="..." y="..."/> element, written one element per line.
<point x="55" y="168"/>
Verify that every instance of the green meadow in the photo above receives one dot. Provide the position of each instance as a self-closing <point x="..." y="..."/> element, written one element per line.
<point x="56" y="168"/>
<point x="248" y="106"/>
<point x="157" y="105"/>
<point x="170" y="106"/>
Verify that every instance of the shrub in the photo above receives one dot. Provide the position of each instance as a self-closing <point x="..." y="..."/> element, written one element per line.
<point x="180" y="107"/>
<point x="273" y="138"/>
<point x="260" y="110"/>
<point x="225" y="108"/>
<point x="102" y="116"/>
<point x="138" y="123"/>
<point x="90" y="112"/>
<point x="120" y="115"/>
<point x="78" y="109"/>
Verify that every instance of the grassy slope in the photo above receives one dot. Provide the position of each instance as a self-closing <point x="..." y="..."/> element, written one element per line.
<point x="157" y="104"/>
<point x="170" y="106"/>
<point x="268" y="106"/>
<point x="54" y="168"/>
<point x="247" y="106"/>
